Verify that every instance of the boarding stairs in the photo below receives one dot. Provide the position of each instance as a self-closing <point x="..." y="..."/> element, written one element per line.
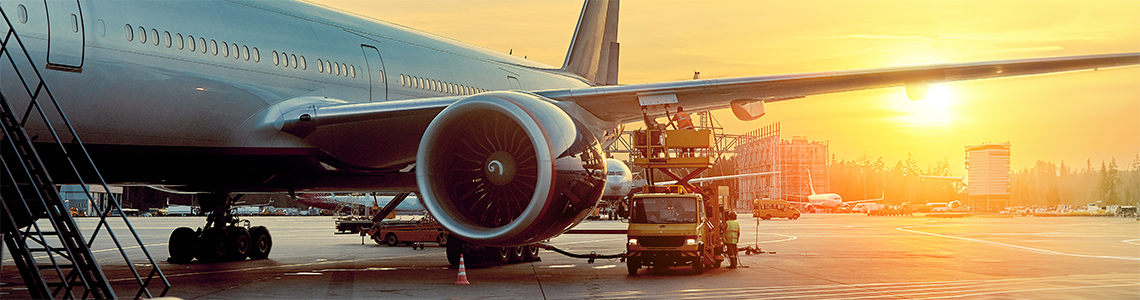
<point x="48" y="248"/>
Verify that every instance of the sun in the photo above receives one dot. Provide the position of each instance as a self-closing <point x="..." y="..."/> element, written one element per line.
<point x="938" y="97"/>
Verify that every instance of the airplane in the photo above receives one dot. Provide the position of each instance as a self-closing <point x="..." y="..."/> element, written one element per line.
<point x="335" y="203"/>
<point x="829" y="201"/>
<point x="221" y="98"/>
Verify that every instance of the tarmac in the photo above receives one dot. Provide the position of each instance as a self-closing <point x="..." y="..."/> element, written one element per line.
<point x="832" y="256"/>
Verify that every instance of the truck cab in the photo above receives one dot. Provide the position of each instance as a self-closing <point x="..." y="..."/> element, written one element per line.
<point x="671" y="229"/>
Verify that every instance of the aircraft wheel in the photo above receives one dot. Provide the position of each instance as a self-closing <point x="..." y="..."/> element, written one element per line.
<point x="238" y="243"/>
<point x="632" y="264"/>
<point x="181" y="246"/>
<point x="531" y="253"/>
<point x="213" y="245"/>
<point x="391" y="239"/>
<point x="261" y="242"/>
<point x="499" y="255"/>
<point x="454" y="249"/>
<point x="517" y="254"/>
<point x="441" y="239"/>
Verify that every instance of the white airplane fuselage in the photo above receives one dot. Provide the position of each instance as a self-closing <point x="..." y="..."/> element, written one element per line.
<point x="190" y="94"/>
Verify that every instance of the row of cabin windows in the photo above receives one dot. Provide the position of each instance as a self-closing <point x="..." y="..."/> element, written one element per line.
<point x="225" y="49"/>
<point x="438" y="86"/>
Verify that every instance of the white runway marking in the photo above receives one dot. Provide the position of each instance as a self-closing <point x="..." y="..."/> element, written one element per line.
<point x="1023" y="248"/>
<point x="1134" y="242"/>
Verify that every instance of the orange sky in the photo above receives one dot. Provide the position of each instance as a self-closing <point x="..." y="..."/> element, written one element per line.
<point x="1060" y="117"/>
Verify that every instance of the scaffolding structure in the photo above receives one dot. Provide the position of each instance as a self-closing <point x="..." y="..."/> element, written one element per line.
<point x="801" y="163"/>
<point x="987" y="176"/>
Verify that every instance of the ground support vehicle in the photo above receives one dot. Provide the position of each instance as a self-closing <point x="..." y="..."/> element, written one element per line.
<point x="352" y="225"/>
<point x="673" y="229"/>
<point x="774" y="208"/>
<point x="393" y="233"/>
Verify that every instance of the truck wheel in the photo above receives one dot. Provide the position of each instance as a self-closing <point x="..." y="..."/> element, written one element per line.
<point x="795" y="216"/>
<point x="379" y="240"/>
<point x="767" y="217"/>
<point x="633" y="264"/>
<point x="698" y="262"/>
<point x="391" y="239"/>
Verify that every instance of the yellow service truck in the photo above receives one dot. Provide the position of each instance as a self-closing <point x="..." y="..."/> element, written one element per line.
<point x="673" y="229"/>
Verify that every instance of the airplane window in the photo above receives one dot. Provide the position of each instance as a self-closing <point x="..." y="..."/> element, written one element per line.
<point x="285" y="59"/>
<point x="256" y="55"/>
<point x="237" y="52"/>
<point x="154" y="36"/>
<point x="130" y="31"/>
<point x="225" y="49"/>
<point x="382" y="78"/>
<point x="345" y="67"/>
<point x="402" y="79"/>
<point x="23" y="12"/>
<point x="142" y="35"/>
<point x="169" y="41"/>
<point x="353" y="69"/>
<point x="74" y="23"/>
<point x="202" y="40"/>
<point x="320" y="66"/>
<point x="275" y="61"/>
<point x="214" y="47"/>
<point x="293" y="60"/>
<point x="190" y="43"/>
<point x="245" y="51"/>
<point x="328" y="66"/>
<point x="337" y="68"/>
<point x="303" y="64"/>
<point x="181" y="43"/>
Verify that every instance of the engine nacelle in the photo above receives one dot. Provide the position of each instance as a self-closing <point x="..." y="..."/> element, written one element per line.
<point x="508" y="168"/>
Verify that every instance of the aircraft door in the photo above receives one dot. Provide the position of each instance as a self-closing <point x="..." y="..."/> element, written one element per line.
<point x="379" y="85"/>
<point x="65" y="35"/>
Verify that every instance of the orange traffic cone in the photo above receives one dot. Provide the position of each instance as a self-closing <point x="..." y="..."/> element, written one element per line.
<point x="462" y="272"/>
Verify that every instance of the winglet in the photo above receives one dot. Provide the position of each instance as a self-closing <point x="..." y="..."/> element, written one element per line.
<point x="593" y="52"/>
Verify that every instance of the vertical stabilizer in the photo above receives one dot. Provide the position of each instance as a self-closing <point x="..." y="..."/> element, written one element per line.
<point x="810" y="183"/>
<point x="593" y="52"/>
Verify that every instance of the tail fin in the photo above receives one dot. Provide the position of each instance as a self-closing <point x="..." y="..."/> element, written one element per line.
<point x="593" y="53"/>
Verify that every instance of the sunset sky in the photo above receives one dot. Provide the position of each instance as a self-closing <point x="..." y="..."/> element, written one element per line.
<point x="1070" y="117"/>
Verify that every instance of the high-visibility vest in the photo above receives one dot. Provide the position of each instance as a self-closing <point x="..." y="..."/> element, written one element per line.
<point x="684" y="121"/>
<point x="732" y="235"/>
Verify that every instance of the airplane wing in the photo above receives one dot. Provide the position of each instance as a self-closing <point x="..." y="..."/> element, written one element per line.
<point x="715" y="178"/>
<point x="621" y="103"/>
<point x="883" y="196"/>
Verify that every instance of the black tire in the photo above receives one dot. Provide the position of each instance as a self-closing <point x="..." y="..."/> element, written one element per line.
<point x="260" y="242"/>
<point x="767" y="217"/>
<point x="455" y="247"/>
<point x="441" y="239"/>
<point x="698" y="263"/>
<point x="517" y="254"/>
<point x="239" y="244"/>
<point x="213" y="245"/>
<point x="795" y="216"/>
<point x="531" y="253"/>
<point x="391" y="239"/>
<point x="632" y="264"/>
<point x="379" y="240"/>
<point x="181" y="246"/>
<point x="498" y="255"/>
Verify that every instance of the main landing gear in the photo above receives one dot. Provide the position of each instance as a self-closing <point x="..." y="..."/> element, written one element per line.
<point x="475" y="254"/>
<point x="222" y="239"/>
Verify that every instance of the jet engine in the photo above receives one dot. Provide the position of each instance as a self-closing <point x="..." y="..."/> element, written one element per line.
<point x="508" y="168"/>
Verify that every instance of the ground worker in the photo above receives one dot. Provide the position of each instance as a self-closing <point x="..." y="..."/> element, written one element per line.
<point x="684" y="122"/>
<point x="731" y="236"/>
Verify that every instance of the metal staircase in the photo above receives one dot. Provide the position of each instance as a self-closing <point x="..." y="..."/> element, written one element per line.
<point x="54" y="260"/>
